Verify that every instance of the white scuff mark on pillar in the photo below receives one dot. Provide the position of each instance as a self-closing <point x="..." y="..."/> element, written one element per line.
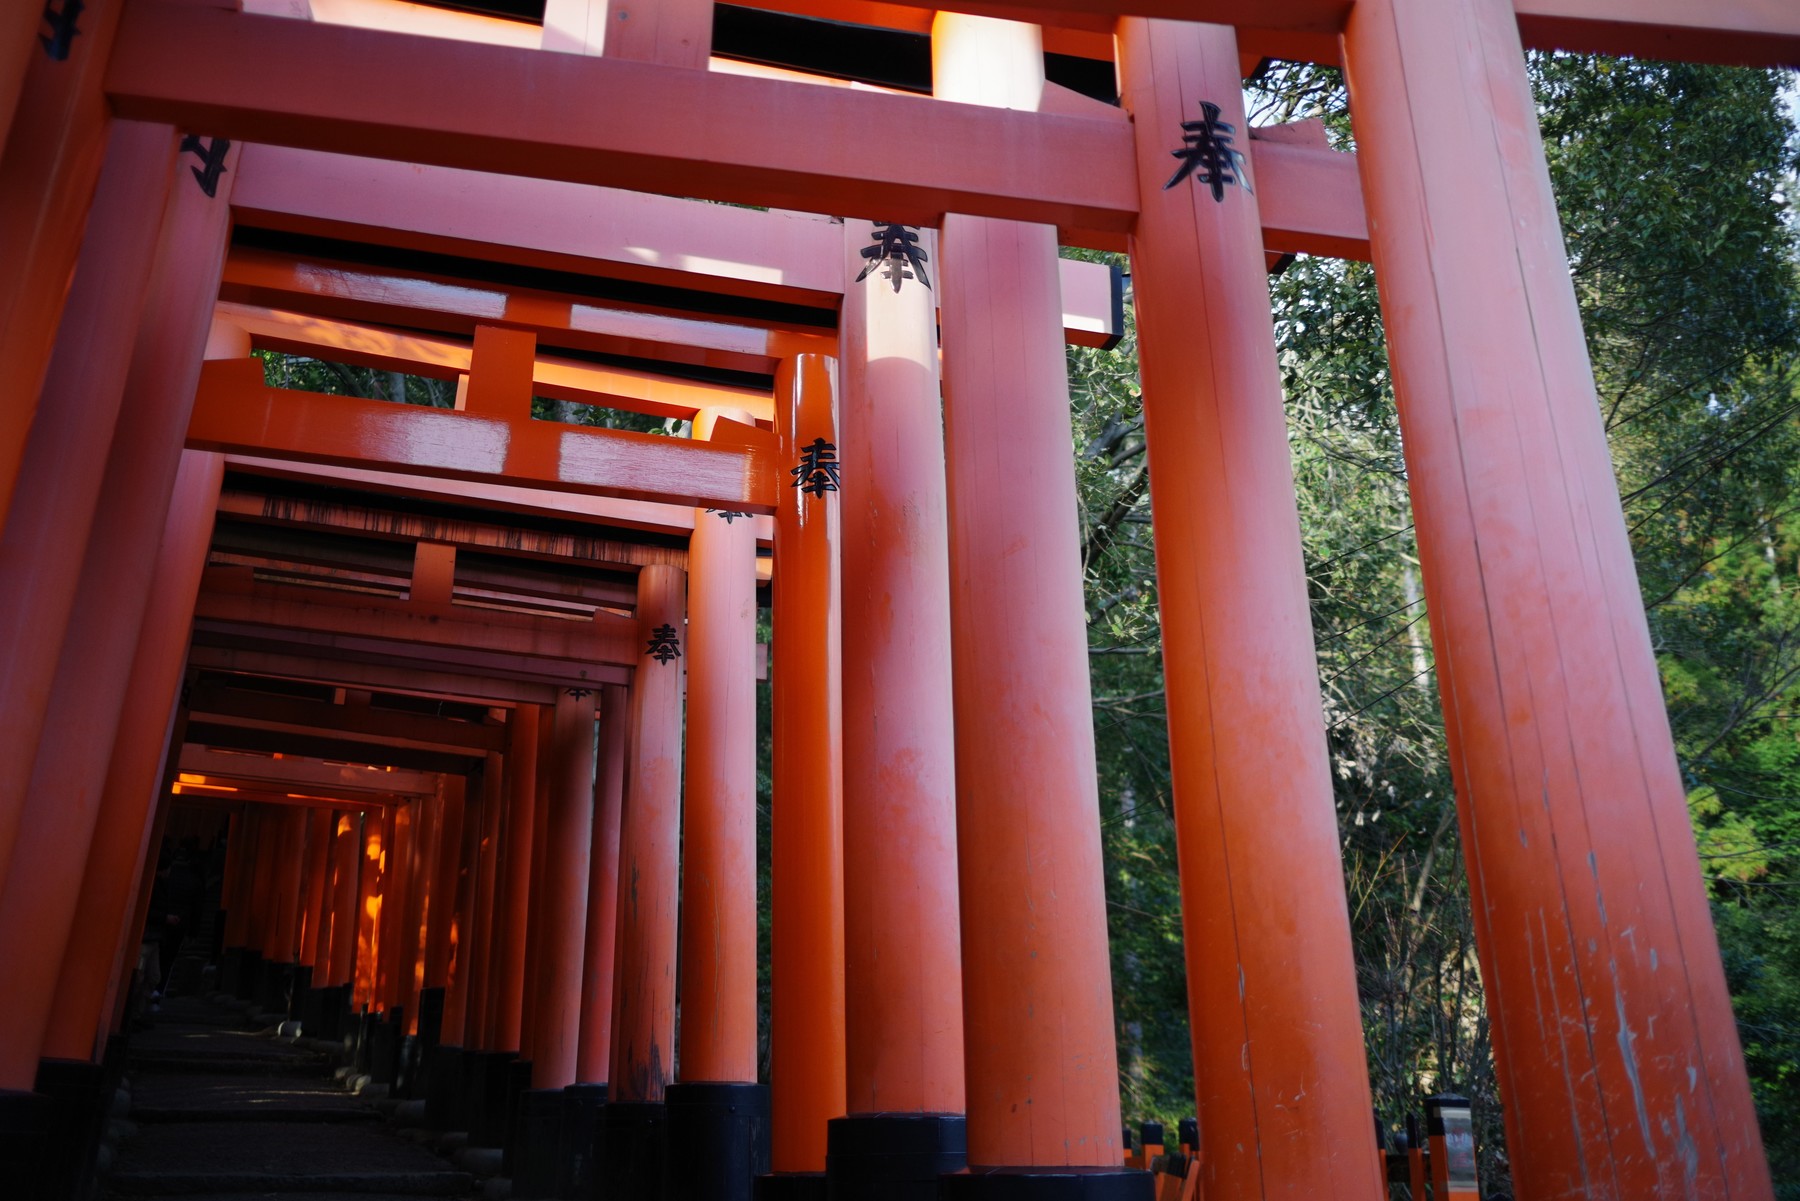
<point x="1628" y="1051"/>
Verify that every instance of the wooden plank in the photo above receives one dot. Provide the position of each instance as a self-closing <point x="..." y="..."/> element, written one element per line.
<point x="236" y="413"/>
<point x="557" y="116"/>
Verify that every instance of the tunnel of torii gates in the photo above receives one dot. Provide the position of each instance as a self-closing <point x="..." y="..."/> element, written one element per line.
<point x="473" y="694"/>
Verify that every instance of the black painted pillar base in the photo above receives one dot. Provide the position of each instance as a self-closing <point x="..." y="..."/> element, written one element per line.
<point x="250" y="974"/>
<point x="537" y="1144"/>
<point x="791" y="1186"/>
<point x="25" y="1120"/>
<point x="577" y="1158"/>
<point x="384" y="1046"/>
<point x="514" y="1084"/>
<point x="444" y="1102"/>
<point x="487" y="1104"/>
<point x="78" y="1099"/>
<point x="722" y="1130"/>
<point x="893" y="1156"/>
<point x="1048" y="1184"/>
<point x="301" y="984"/>
<point x="231" y="969"/>
<point x="634" y="1142"/>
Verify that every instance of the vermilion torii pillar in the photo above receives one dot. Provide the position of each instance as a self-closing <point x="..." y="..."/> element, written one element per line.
<point x="595" y="1058"/>
<point x="121" y="842"/>
<point x="903" y="951"/>
<point x="512" y="920"/>
<point x="50" y="160"/>
<point x="717" y="1102"/>
<point x="1043" y="1080"/>
<point x="60" y="483"/>
<point x="347" y="851"/>
<point x="806" y="847"/>
<point x="643" y="1025"/>
<point x="478" y="844"/>
<point x="95" y="713"/>
<point x="318" y="879"/>
<point x="41" y="566"/>
<point x="1617" y="1054"/>
<point x="564" y="888"/>
<point x="1279" y="1065"/>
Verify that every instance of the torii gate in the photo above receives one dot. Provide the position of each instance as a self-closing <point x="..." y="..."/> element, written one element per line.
<point x="1616" y="1051"/>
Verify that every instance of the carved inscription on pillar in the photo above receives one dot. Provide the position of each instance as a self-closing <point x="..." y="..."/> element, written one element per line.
<point x="212" y="161"/>
<point x="665" y="644"/>
<point x="61" y="37"/>
<point x="817" y="472"/>
<point x="896" y="248"/>
<point x="1207" y="154"/>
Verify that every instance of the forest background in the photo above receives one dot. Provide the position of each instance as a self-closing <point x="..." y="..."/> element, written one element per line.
<point x="1675" y="185"/>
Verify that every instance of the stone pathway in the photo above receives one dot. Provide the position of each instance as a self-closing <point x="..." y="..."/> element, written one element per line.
<point x="223" y="1113"/>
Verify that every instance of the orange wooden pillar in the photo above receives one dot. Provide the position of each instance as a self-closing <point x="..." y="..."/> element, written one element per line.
<point x="421" y="870"/>
<point x="19" y="48"/>
<point x="465" y="971"/>
<point x="534" y="919"/>
<point x="1613" y="1033"/>
<point x="479" y="947"/>
<point x="806" y="1007"/>
<point x="1042" y="1065"/>
<point x="241" y="874"/>
<point x="643" y="1025"/>
<point x="396" y="900"/>
<point x="445" y="943"/>
<point x="98" y="711"/>
<point x="321" y="956"/>
<point x="594" y="1060"/>
<point x="564" y="888"/>
<point x="718" y="1103"/>
<point x="100" y="932"/>
<point x="372" y="885"/>
<point x="317" y="879"/>
<point x="54" y="504"/>
<point x="234" y="848"/>
<point x="284" y="945"/>
<point x="271" y="837"/>
<point x="514" y="913"/>
<point x="347" y="847"/>
<point x="903" y="950"/>
<point x="1271" y="976"/>
<point x="49" y="166"/>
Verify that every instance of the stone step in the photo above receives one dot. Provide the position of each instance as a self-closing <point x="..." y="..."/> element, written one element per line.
<point x="154" y="1114"/>
<point x="210" y="1185"/>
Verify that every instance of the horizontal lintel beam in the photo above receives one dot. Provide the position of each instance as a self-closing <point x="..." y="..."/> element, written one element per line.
<point x="339" y="748"/>
<point x="223" y="705"/>
<point x="706" y="134"/>
<point x="367" y="345"/>
<point x="303" y="773"/>
<point x="411" y="679"/>
<point x="645" y="515"/>
<point x="235" y="412"/>
<point x="537" y="646"/>
<point x="778" y="255"/>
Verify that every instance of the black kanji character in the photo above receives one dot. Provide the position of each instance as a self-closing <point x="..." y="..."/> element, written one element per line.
<point x="896" y="247"/>
<point x="730" y="515"/>
<point x="1208" y="155"/>
<point x="62" y="28"/>
<point x="818" y="470"/>
<point x="212" y="159"/>
<point x="665" y="644"/>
